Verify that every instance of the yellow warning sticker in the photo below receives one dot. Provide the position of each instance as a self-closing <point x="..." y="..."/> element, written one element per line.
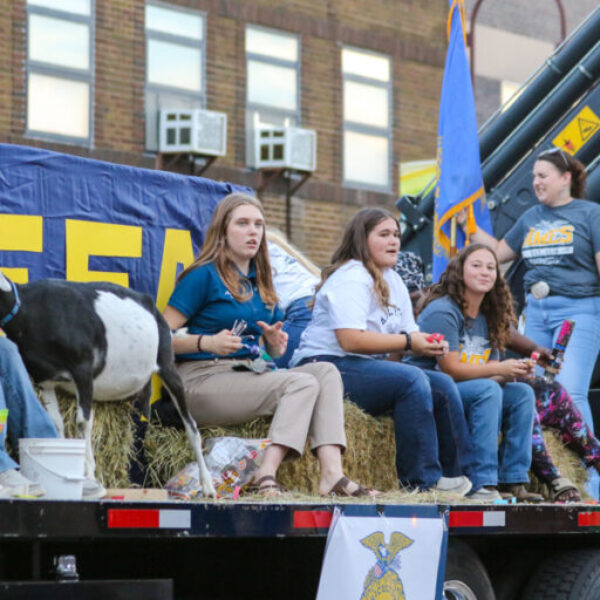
<point x="578" y="131"/>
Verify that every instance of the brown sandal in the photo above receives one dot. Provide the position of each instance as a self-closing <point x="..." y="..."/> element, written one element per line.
<point x="563" y="490"/>
<point x="267" y="486"/>
<point x="341" y="489"/>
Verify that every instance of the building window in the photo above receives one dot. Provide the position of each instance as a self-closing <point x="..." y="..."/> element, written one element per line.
<point x="175" y="65"/>
<point x="367" y="119"/>
<point x="272" y="79"/>
<point x="60" y="69"/>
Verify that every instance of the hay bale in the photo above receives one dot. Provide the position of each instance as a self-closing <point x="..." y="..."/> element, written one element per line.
<point x="370" y="457"/>
<point x="112" y="437"/>
<point x="568" y="463"/>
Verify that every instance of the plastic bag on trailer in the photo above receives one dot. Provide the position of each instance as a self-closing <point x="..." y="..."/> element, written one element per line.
<point x="231" y="462"/>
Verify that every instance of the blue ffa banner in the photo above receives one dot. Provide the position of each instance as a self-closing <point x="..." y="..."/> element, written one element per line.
<point x="459" y="183"/>
<point x="84" y="220"/>
<point x="400" y="554"/>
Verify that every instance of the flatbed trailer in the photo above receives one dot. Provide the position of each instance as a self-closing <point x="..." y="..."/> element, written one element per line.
<point x="237" y="549"/>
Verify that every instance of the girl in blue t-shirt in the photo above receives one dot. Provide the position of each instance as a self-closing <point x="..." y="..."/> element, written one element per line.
<point x="231" y="282"/>
<point x="472" y="307"/>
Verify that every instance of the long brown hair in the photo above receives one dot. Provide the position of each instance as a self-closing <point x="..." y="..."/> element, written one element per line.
<point x="355" y="246"/>
<point x="216" y="249"/>
<point x="566" y="163"/>
<point x="497" y="304"/>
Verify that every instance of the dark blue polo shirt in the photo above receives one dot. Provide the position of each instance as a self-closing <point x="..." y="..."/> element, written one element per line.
<point x="210" y="307"/>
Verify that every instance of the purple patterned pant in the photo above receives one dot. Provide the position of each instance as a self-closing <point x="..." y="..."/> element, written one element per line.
<point x="556" y="409"/>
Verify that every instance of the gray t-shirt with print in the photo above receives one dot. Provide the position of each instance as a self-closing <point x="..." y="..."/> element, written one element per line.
<point x="469" y="337"/>
<point x="559" y="246"/>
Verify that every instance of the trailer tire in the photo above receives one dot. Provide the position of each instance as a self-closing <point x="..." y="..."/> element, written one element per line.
<point x="466" y="577"/>
<point x="568" y="576"/>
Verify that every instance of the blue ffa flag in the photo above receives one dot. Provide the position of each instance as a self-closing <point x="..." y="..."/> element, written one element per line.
<point x="459" y="183"/>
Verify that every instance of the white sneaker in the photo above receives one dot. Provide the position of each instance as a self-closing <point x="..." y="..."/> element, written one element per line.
<point x="92" y="489"/>
<point x="13" y="484"/>
<point x="458" y="486"/>
<point x="485" y="495"/>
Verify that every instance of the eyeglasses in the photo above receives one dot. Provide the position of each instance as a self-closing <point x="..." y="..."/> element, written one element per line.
<point x="560" y="153"/>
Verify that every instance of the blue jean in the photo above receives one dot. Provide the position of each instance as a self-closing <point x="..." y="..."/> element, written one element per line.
<point x="418" y="401"/>
<point x="492" y="408"/>
<point x="542" y="324"/>
<point x="26" y="416"/>
<point x="454" y="439"/>
<point x="297" y="316"/>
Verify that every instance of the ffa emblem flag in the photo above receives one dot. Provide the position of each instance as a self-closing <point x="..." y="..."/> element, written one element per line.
<point x="397" y="554"/>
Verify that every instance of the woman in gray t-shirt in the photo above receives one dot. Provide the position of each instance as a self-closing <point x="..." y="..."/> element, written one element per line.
<point x="472" y="307"/>
<point x="559" y="240"/>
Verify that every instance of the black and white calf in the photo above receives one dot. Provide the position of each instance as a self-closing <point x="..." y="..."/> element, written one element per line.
<point x="100" y="341"/>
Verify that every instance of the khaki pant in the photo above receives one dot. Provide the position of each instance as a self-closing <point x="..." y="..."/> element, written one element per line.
<point x="306" y="400"/>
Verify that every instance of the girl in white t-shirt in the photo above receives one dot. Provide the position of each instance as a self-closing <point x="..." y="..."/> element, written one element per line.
<point x="363" y="316"/>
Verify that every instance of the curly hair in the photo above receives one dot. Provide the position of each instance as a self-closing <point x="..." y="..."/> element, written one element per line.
<point x="355" y="245"/>
<point x="497" y="305"/>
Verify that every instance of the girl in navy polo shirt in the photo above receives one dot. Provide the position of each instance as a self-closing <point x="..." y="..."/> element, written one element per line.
<point x="231" y="281"/>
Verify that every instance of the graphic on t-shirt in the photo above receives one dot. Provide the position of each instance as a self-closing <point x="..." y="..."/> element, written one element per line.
<point x="547" y="241"/>
<point x="474" y="350"/>
<point x="389" y="318"/>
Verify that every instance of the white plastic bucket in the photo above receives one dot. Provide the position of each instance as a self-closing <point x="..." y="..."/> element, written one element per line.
<point x="56" y="463"/>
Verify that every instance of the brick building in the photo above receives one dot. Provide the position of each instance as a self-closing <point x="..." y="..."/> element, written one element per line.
<point x="88" y="77"/>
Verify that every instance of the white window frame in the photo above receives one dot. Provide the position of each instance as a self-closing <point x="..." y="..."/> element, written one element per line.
<point x="291" y="117"/>
<point x="354" y="127"/>
<point x="37" y="67"/>
<point x="186" y="98"/>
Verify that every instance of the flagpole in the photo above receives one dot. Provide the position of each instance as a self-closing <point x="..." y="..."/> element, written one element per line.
<point x="453" y="248"/>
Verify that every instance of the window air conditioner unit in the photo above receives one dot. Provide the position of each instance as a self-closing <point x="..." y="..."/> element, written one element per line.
<point x="285" y="147"/>
<point x="197" y="131"/>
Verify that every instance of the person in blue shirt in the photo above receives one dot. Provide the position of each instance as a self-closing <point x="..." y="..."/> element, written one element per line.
<point x="229" y="283"/>
<point x="25" y="418"/>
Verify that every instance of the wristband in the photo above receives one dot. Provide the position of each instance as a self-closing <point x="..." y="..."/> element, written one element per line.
<point x="199" y="345"/>
<point x="408" y="344"/>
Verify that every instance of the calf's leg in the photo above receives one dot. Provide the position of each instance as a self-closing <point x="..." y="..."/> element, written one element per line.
<point x="92" y="488"/>
<point x="50" y="402"/>
<point x="173" y="384"/>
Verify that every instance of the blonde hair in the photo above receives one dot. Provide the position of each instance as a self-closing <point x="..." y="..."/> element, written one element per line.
<point x="215" y="250"/>
<point x="277" y="237"/>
